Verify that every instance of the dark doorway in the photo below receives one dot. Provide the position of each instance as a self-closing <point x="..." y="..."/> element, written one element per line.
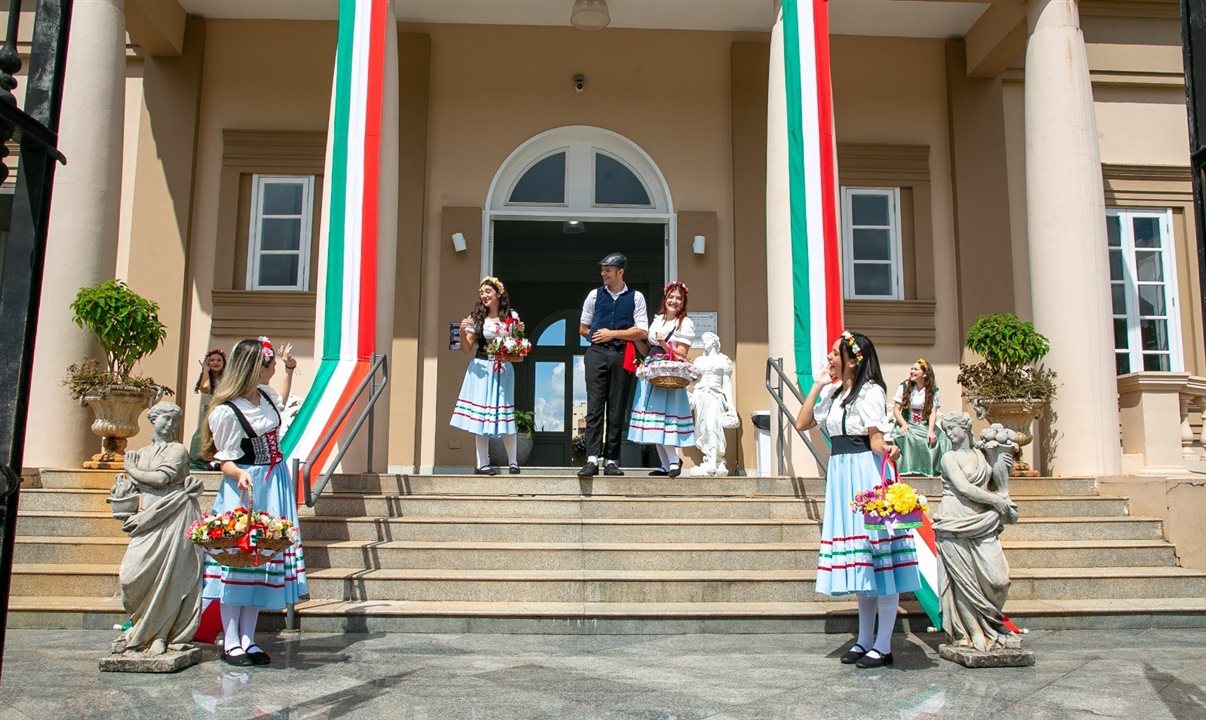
<point x="548" y="274"/>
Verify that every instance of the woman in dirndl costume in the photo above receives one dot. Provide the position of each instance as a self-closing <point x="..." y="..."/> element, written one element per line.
<point x="915" y="408"/>
<point x="848" y="402"/>
<point x="662" y="416"/>
<point x="486" y="403"/>
<point x="241" y="434"/>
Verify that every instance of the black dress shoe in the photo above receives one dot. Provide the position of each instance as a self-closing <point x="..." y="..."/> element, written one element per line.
<point x="514" y="469"/>
<point x="487" y="470"/>
<point x="867" y="661"/>
<point x="659" y="473"/>
<point x="612" y="469"/>
<point x="590" y="469"/>
<point x="240" y="660"/>
<point x="675" y="470"/>
<point x="257" y="655"/>
<point x="853" y="655"/>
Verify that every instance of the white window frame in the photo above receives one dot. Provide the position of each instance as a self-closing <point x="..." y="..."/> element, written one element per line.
<point x="894" y="242"/>
<point x="255" y="252"/>
<point x="1130" y="283"/>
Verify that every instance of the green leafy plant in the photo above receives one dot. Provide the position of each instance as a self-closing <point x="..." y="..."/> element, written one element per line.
<point x="1012" y="351"/>
<point x="525" y="422"/>
<point x="127" y="327"/>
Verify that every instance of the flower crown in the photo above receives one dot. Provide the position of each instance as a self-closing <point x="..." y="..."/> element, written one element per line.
<point x="267" y="350"/>
<point x="923" y="363"/>
<point x="216" y="351"/>
<point x="854" y="347"/>
<point x="495" y="282"/>
<point x="676" y="284"/>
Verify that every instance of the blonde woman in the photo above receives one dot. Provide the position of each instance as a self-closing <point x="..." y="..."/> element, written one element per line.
<point x="241" y="434"/>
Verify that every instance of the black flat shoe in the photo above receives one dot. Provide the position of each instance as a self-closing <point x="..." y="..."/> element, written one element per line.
<point x="257" y="655"/>
<point x="612" y="469"/>
<point x="590" y="469"/>
<point x="675" y="470"/>
<point x="487" y="470"/>
<point x="240" y="660"/>
<point x="867" y="661"/>
<point x="853" y="655"/>
<point x="659" y="473"/>
<point x="514" y="469"/>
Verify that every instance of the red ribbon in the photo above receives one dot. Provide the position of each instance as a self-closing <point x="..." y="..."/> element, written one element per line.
<point x="247" y="540"/>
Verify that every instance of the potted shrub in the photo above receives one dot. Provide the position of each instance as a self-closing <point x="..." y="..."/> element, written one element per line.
<point x="127" y="327"/>
<point x="1010" y="386"/>
<point x="525" y="425"/>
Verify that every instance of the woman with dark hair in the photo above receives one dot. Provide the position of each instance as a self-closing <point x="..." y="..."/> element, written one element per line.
<point x="212" y="367"/>
<point x="848" y="402"/>
<point x="915" y="407"/>
<point x="662" y="416"/>
<point x="486" y="403"/>
<point x="241" y="434"/>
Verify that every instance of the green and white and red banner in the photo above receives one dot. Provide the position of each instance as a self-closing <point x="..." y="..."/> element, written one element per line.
<point x="352" y="222"/>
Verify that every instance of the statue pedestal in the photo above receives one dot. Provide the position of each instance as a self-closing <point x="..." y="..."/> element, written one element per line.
<point x="136" y="662"/>
<point x="1011" y="656"/>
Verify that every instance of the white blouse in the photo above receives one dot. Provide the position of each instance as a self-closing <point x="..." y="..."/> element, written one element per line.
<point x="869" y="410"/>
<point x="228" y="433"/>
<point x="916" y="402"/>
<point x="492" y="328"/>
<point x="663" y="328"/>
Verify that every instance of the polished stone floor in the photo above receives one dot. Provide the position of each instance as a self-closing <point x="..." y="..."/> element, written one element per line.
<point x="1135" y="674"/>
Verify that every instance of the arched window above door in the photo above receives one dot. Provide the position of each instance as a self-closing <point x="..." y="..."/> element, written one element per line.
<point x="579" y="171"/>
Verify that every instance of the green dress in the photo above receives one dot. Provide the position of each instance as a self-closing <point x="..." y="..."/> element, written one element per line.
<point x="916" y="455"/>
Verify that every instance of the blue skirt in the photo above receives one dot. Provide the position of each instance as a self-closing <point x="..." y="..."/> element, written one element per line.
<point x="853" y="558"/>
<point x="661" y="416"/>
<point x="486" y="405"/>
<point x="273" y="583"/>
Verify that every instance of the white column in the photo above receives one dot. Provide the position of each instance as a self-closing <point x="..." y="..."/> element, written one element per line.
<point x="1067" y="240"/>
<point x="82" y="243"/>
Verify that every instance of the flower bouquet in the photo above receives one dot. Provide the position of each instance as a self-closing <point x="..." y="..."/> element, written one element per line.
<point x="891" y="505"/>
<point x="242" y="537"/>
<point x="510" y="346"/>
<point x="663" y="372"/>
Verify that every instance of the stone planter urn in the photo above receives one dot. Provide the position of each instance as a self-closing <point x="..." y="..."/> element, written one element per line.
<point x="523" y="450"/>
<point x="116" y="409"/>
<point x="1016" y="415"/>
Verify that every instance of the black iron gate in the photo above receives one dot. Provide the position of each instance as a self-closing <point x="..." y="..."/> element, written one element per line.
<point x="35" y="130"/>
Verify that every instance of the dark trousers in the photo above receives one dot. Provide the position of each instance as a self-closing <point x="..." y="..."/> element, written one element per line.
<point x="607" y="384"/>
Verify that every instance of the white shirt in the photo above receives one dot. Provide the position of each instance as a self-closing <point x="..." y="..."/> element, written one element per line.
<point x="493" y="328"/>
<point x="916" y="402"/>
<point x="228" y="433"/>
<point x="662" y="328"/>
<point x="869" y="410"/>
<point x="640" y="311"/>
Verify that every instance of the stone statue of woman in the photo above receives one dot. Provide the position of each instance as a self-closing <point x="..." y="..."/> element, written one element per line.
<point x="161" y="571"/>
<point x="973" y="575"/>
<point x="712" y="401"/>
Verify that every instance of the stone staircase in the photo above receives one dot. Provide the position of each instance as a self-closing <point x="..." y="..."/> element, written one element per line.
<point x="552" y="553"/>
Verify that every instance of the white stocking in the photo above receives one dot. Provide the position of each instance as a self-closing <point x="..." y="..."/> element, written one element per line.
<point x="667" y="455"/>
<point x="483" y="450"/>
<point x="247" y="620"/>
<point x="866" y="621"/>
<point x="230" y="628"/>
<point x="510" y="442"/>
<point x="887" y="622"/>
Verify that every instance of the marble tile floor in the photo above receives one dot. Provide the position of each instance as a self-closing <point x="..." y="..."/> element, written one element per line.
<point x="1136" y="674"/>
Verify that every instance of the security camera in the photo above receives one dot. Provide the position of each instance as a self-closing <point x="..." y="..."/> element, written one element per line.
<point x="579" y="82"/>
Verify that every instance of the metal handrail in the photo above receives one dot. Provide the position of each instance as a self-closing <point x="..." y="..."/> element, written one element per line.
<point x="776" y="393"/>
<point x="313" y="490"/>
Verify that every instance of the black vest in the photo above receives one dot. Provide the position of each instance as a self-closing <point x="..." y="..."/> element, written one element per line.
<point x="257" y="449"/>
<point x="614" y="313"/>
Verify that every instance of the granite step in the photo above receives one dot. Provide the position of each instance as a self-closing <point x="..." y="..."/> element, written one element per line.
<point x="576" y="618"/>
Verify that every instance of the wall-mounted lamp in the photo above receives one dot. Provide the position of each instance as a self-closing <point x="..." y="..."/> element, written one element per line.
<point x="573" y="227"/>
<point x="697" y="245"/>
<point x="458" y="242"/>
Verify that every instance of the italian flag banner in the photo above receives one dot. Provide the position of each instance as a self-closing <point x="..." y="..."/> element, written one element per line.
<point x="352" y="225"/>
<point x="809" y="214"/>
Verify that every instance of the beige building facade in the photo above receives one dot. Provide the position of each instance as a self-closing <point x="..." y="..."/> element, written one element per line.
<point x="1002" y="175"/>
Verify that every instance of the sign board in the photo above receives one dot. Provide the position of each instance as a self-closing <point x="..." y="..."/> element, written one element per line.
<point x="454" y="336"/>
<point x="704" y="322"/>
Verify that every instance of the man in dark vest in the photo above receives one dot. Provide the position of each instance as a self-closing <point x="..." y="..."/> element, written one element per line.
<point x="612" y="316"/>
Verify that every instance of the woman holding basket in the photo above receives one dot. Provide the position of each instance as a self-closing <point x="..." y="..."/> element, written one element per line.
<point x="241" y="434"/>
<point x="486" y="403"/>
<point x="661" y="416"/>
<point x="876" y="565"/>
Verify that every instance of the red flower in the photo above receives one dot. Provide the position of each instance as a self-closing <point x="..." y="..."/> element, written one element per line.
<point x="215" y="533"/>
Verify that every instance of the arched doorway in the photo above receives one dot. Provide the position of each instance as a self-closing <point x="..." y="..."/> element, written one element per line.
<point x="560" y="202"/>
